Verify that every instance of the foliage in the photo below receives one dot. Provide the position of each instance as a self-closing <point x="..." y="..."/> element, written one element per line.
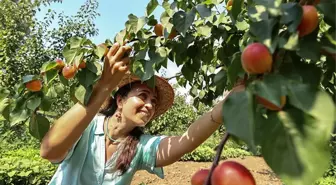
<point x="326" y="181"/>
<point x="207" y="150"/>
<point x="208" y="45"/>
<point x="25" y="166"/>
<point x="25" y="44"/>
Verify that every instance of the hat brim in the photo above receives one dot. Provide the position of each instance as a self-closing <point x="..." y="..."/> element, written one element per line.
<point x="164" y="91"/>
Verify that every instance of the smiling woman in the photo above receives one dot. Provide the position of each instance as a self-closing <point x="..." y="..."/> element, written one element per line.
<point x="103" y="142"/>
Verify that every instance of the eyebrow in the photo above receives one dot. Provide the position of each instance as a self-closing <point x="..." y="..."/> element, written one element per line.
<point x="147" y="91"/>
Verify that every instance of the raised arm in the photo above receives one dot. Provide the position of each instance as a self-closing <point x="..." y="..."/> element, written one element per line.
<point x="68" y="128"/>
<point x="172" y="148"/>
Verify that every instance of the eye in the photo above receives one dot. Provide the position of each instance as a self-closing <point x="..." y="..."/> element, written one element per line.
<point x="143" y="96"/>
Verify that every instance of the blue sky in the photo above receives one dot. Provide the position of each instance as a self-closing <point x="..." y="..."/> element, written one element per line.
<point x="113" y="14"/>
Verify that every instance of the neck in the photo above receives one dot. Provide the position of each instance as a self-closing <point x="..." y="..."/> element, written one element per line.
<point x="118" y="130"/>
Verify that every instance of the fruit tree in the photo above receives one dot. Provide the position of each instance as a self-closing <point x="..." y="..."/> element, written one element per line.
<point x="282" y="50"/>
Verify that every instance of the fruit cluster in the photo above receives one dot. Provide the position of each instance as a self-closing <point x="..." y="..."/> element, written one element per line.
<point x="226" y="173"/>
<point x="256" y="58"/>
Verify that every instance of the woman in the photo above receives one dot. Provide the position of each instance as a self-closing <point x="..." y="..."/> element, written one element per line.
<point x="96" y="145"/>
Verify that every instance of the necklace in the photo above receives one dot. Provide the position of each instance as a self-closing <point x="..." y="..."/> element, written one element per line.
<point x="106" y="131"/>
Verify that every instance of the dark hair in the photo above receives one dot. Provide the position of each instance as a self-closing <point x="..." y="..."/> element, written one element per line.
<point x="129" y="149"/>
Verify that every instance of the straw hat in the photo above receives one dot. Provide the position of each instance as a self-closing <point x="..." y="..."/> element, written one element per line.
<point x="164" y="91"/>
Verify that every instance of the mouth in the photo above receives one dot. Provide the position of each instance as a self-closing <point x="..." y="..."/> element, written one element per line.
<point x="145" y="113"/>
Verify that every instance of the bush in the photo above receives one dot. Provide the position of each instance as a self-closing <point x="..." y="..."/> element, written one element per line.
<point x="25" y="166"/>
<point x="326" y="181"/>
<point x="207" y="151"/>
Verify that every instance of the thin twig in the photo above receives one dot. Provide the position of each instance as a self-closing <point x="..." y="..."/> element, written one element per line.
<point x="217" y="157"/>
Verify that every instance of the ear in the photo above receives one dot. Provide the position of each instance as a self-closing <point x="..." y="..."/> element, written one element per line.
<point x="120" y="102"/>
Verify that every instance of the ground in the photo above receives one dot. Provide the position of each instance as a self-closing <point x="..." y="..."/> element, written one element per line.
<point x="180" y="173"/>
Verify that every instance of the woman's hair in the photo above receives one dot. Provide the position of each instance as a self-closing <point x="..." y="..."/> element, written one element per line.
<point x="129" y="149"/>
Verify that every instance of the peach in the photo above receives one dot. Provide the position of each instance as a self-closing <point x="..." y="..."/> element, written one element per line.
<point x="309" y="20"/>
<point x="256" y="59"/>
<point x="69" y="72"/>
<point x="200" y="177"/>
<point x="158" y="30"/>
<point x="232" y="173"/>
<point x="34" y="85"/>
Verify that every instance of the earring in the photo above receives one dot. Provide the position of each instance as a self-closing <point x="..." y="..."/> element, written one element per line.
<point x="118" y="115"/>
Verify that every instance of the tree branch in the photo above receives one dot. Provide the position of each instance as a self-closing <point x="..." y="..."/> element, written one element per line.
<point x="217" y="158"/>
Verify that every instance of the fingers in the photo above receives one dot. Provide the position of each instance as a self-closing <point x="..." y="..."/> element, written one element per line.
<point x="121" y="53"/>
<point x="113" y="50"/>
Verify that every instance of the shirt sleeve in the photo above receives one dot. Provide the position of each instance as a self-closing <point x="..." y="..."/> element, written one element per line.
<point x="149" y="146"/>
<point x="72" y="149"/>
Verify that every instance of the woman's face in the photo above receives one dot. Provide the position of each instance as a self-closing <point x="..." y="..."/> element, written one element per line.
<point x="140" y="104"/>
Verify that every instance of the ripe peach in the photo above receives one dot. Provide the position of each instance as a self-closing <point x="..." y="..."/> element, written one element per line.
<point x="34" y="85"/>
<point x="270" y="105"/>
<point x="256" y="59"/>
<point x="69" y="72"/>
<point x="172" y="34"/>
<point x="232" y="173"/>
<point x="229" y="5"/>
<point x="60" y="63"/>
<point x="309" y="21"/>
<point x="158" y="30"/>
<point x="199" y="177"/>
<point x="82" y="65"/>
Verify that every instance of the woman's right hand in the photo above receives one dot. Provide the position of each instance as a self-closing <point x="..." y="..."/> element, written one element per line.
<point x="116" y="64"/>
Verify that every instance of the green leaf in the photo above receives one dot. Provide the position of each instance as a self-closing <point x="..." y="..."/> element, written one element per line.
<point x="302" y="96"/>
<point x="29" y="78"/>
<point x="136" y="23"/>
<point x="46" y="103"/>
<point x="235" y="70"/>
<point x="289" y="41"/>
<point x="4" y="103"/>
<point x="187" y="73"/>
<point x="303" y="140"/>
<point x="292" y="14"/>
<point x="100" y="51"/>
<point x="263" y="30"/>
<point x="83" y="94"/>
<point x="76" y="42"/>
<point x="120" y="35"/>
<point x="86" y="77"/>
<point x="151" y="7"/>
<point x="149" y="70"/>
<point x="328" y="8"/>
<point x="310" y="47"/>
<point x="48" y="66"/>
<point x="182" y="20"/>
<point x="157" y="54"/>
<point x="257" y="13"/>
<point x="50" y="76"/>
<point x="38" y="126"/>
<point x="242" y="103"/>
<point x="4" y="93"/>
<point x="18" y="115"/>
<point x="237" y="6"/>
<point x="203" y="11"/>
<point x="204" y="30"/>
<point x="70" y="54"/>
<point x="271" y="88"/>
<point x="33" y="103"/>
